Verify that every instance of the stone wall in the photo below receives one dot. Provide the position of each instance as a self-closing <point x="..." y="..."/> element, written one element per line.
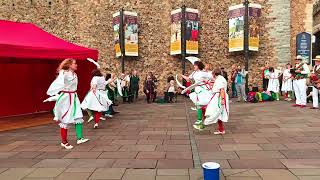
<point x="301" y="20"/>
<point x="89" y="22"/>
<point x="280" y="29"/>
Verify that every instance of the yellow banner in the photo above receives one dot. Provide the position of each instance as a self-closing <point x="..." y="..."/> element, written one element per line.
<point x="131" y="49"/>
<point x="192" y="47"/>
<point x="175" y="47"/>
<point x="117" y="49"/>
<point x="236" y="44"/>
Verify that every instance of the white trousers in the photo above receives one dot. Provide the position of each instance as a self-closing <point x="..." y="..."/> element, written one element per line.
<point x="300" y="91"/>
<point x="315" y="100"/>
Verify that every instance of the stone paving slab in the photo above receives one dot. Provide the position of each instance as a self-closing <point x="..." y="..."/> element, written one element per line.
<point x="144" y="143"/>
<point x="108" y="173"/>
<point x="16" y="173"/>
<point x="46" y="172"/>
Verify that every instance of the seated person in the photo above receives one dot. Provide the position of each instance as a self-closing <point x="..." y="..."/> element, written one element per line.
<point x="170" y="91"/>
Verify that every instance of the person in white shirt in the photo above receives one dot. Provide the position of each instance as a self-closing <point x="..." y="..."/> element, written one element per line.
<point x="302" y="72"/>
<point x="201" y="95"/>
<point x="287" y="82"/>
<point x="274" y="84"/>
<point x="315" y="80"/>
<point x="67" y="109"/>
<point x="97" y="99"/>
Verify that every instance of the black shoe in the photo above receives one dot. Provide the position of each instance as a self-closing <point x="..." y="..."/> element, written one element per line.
<point x="115" y="112"/>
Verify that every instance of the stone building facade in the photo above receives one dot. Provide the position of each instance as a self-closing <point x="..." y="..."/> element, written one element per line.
<point x="316" y="28"/>
<point x="89" y="22"/>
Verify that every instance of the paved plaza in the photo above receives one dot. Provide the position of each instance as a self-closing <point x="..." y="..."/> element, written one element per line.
<point x="156" y="141"/>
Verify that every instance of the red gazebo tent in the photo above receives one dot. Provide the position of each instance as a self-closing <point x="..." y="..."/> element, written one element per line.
<point x="29" y="57"/>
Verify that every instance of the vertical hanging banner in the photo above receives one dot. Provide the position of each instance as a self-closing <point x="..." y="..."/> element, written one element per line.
<point x="116" y="33"/>
<point x="130" y="27"/>
<point x="192" y="31"/>
<point x="303" y="46"/>
<point x="236" y="27"/>
<point x="175" y="44"/>
<point x="254" y="26"/>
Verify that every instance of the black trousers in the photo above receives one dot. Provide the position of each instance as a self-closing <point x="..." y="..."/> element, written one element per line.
<point x="168" y="96"/>
<point x="265" y="83"/>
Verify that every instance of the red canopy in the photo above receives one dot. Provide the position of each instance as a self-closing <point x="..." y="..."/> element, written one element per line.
<point x="29" y="57"/>
<point x="25" y="40"/>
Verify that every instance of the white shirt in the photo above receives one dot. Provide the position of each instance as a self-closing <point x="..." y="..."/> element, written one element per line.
<point x="199" y="76"/>
<point x="66" y="81"/>
<point x="99" y="82"/>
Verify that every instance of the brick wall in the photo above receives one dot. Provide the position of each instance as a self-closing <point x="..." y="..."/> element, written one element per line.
<point x="89" y="22"/>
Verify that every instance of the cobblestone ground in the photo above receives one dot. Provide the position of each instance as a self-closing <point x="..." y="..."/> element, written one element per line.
<point x="263" y="141"/>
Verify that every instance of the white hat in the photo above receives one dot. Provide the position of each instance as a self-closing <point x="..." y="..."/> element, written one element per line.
<point x="299" y="57"/>
<point x="317" y="58"/>
<point x="192" y="59"/>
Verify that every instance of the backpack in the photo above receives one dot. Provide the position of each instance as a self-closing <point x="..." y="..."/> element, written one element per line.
<point x="252" y="97"/>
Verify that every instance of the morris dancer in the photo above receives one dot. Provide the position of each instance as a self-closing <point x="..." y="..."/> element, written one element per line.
<point x="201" y="96"/>
<point x="287" y="82"/>
<point x="218" y="107"/>
<point x="315" y="81"/>
<point x="67" y="108"/>
<point x="301" y="72"/>
<point x="97" y="98"/>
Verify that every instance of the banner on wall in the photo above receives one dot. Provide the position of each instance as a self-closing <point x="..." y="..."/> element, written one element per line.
<point x="254" y="26"/>
<point x="175" y="43"/>
<point x="130" y="27"/>
<point x="303" y="46"/>
<point x="236" y="27"/>
<point x="116" y="33"/>
<point x="192" y="31"/>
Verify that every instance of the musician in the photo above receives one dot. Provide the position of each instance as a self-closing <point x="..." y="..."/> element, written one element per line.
<point x="301" y="72"/>
<point x="315" y="81"/>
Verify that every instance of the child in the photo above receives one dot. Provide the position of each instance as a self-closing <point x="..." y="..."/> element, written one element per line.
<point x="97" y="98"/>
<point x="273" y="84"/>
<point x="67" y="108"/>
<point x="251" y="97"/>
<point x="287" y="83"/>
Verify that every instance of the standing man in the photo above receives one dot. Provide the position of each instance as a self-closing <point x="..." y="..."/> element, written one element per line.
<point x="240" y="82"/>
<point x="315" y="80"/>
<point x="134" y="84"/>
<point x="233" y="78"/>
<point x="300" y="82"/>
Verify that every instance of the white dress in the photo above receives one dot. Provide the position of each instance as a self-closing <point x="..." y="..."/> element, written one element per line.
<point x="67" y="109"/>
<point x="215" y="110"/>
<point x="99" y="100"/>
<point x="274" y="84"/>
<point x="202" y="94"/>
<point x="287" y="81"/>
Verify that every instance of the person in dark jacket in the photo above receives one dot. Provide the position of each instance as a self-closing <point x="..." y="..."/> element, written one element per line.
<point x="149" y="88"/>
<point x="134" y="85"/>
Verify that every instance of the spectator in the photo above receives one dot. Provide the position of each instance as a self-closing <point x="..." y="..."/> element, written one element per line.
<point x="233" y="77"/>
<point x="170" y="91"/>
<point x="240" y="81"/>
<point x="134" y="84"/>
<point x="155" y="81"/>
<point x="149" y="88"/>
